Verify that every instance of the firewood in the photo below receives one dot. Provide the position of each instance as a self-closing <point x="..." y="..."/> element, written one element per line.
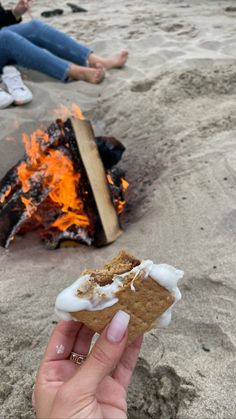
<point x="93" y="158"/>
<point x="14" y="214"/>
<point x="97" y="180"/>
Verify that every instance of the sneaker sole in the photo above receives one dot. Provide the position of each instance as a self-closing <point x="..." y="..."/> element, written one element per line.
<point x="22" y="102"/>
<point x="7" y="104"/>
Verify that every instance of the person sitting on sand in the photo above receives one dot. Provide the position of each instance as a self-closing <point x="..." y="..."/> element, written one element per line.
<point x="40" y="47"/>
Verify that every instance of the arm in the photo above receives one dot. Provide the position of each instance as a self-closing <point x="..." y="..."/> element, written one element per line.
<point x="7" y="17"/>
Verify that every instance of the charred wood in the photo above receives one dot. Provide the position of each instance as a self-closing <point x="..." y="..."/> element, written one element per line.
<point x="8" y="184"/>
<point x="15" y="217"/>
<point x="14" y="213"/>
<point x="54" y="238"/>
<point x="110" y="150"/>
<point x="62" y="134"/>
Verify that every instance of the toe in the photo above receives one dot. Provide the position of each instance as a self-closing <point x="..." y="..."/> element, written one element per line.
<point x="99" y="74"/>
<point x="124" y="52"/>
<point x="99" y="66"/>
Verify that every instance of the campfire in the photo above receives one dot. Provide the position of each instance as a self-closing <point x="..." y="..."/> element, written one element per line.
<point x="67" y="186"/>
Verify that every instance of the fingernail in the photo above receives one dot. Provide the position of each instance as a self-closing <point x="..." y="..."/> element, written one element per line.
<point x="118" y="327"/>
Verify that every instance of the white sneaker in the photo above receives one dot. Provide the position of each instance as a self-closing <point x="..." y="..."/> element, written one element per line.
<point x="13" y="83"/>
<point x="5" y="99"/>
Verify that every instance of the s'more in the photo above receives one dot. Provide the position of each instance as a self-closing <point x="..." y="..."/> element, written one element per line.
<point x="143" y="289"/>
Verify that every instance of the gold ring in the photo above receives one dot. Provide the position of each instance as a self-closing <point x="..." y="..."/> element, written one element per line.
<point x="77" y="358"/>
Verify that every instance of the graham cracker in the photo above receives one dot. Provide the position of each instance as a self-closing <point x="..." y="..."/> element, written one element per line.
<point x="145" y="304"/>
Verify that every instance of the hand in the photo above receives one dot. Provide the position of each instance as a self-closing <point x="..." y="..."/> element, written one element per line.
<point x="98" y="387"/>
<point x="21" y="7"/>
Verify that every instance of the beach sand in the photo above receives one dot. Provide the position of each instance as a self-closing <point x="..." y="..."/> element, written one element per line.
<point x="174" y="108"/>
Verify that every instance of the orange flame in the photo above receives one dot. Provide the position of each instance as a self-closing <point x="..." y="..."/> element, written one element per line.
<point x="110" y="180"/>
<point x="69" y="219"/>
<point x="56" y="173"/>
<point x="63" y="112"/>
<point x="120" y="206"/>
<point x="29" y="206"/>
<point x="119" y="203"/>
<point x="6" y="194"/>
<point x="124" y="184"/>
<point x="53" y="172"/>
<point x="76" y="112"/>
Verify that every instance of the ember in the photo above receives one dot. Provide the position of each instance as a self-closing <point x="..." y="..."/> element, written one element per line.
<point x="67" y="186"/>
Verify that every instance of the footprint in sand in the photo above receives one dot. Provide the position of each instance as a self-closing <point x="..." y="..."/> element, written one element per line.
<point x="142" y="86"/>
<point x="166" y="391"/>
<point x="230" y="9"/>
<point x="179" y="28"/>
<point x="171" y="27"/>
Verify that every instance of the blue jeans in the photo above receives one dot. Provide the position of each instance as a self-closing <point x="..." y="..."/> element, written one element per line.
<point x="40" y="47"/>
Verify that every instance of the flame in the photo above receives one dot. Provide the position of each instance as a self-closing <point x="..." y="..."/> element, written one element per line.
<point x="55" y="172"/>
<point x="124" y="184"/>
<point x="119" y="202"/>
<point x="110" y="180"/>
<point x="64" y="113"/>
<point x="30" y="208"/>
<point x="5" y="195"/>
<point x="48" y="177"/>
<point x="76" y="112"/>
<point x="69" y="219"/>
<point x="120" y="206"/>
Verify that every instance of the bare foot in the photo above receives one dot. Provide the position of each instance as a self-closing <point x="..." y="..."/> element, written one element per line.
<point x="91" y="75"/>
<point x="110" y="62"/>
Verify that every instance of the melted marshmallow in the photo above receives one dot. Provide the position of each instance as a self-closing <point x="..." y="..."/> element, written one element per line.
<point x="105" y="296"/>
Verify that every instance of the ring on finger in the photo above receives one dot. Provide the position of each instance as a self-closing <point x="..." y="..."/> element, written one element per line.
<point x="77" y="358"/>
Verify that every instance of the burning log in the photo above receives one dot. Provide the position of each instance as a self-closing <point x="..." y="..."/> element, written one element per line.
<point x="8" y="184"/>
<point x="109" y="148"/>
<point x="68" y="238"/>
<point x="14" y="213"/>
<point x="11" y="214"/>
<point x="66" y="185"/>
<point x="97" y="179"/>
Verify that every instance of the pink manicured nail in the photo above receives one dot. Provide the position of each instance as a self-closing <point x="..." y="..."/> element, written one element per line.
<point x="118" y="326"/>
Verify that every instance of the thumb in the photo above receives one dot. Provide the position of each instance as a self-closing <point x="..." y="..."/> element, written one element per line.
<point x="105" y="354"/>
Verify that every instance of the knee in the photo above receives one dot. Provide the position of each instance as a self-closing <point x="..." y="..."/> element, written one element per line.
<point x="6" y="35"/>
<point x="36" y="25"/>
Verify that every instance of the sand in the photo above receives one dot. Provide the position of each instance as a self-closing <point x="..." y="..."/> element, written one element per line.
<point x="173" y="106"/>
